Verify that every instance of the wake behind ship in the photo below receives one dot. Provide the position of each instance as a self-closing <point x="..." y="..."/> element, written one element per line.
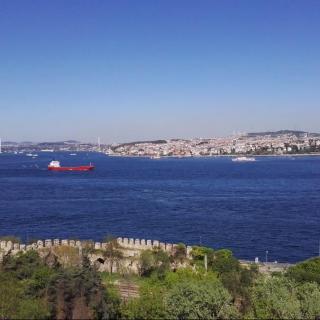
<point x="55" y="166"/>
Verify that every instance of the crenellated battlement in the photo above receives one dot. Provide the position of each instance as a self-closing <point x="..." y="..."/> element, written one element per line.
<point x="125" y="243"/>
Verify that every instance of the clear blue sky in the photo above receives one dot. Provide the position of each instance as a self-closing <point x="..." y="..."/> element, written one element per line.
<point x="133" y="69"/>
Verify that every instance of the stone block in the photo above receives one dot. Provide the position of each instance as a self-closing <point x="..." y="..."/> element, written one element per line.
<point x="16" y="246"/>
<point x="149" y="243"/>
<point x="131" y="241"/>
<point x="56" y="242"/>
<point x="169" y="247"/>
<point x="3" y="244"/>
<point x="40" y="244"/>
<point x="137" y="242"/>
<point x="73" y="243"/>
<point x="156" y="243"/>
<point x="162" y="246"/>
<point x="143" y="242"/>
<point x="22" y="247"/>
<point x="48" y="243"/>
<point x="104" y="245"/>
<point x="9" y="245"/>
<point x="97" y="245"/>
<point x="64" y="242"/>
<point x="78" y="244"/>
<point x="125" y="241"/>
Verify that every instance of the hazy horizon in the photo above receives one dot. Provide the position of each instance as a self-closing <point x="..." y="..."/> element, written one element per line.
<point x="144" y="70"/>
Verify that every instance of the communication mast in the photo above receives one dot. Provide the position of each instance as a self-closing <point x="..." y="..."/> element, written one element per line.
<point x="99" y="145"/>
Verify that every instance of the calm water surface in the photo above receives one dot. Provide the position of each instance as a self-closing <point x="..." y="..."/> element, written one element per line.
<point x="272" y="204"/>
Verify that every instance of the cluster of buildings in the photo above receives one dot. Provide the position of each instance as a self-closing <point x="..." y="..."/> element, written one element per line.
<point x="281" y="142"/>
<point x="264" y="143"/>
<point x="68" y="146"/>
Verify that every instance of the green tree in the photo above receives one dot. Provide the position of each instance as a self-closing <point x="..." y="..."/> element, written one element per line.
<point x="10" y="293"/>
<point x="148" y="306"/>
<point x="239" y="283"/>
<point x="275" y="298"/>
<point x="23" y="265"/>
<point x="223" y="261"/>
<point x="180" y="253"/>
<point x="154" y="261"/>
<point x="162" y="262"/>
<point x="306" y="271"/>
<point x="199" y="300"/>
<point x="309" y="297"/>
<point x="146" y="262"/>
<point x="198" y="253"/>
<point x="32" y="309"/>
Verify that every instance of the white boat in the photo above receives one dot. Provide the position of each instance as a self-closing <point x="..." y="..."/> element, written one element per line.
<point x="155" y="157"/>
<point x="73" y="154"/>
<point x="31" y="155"/>
<point x="243" y="159"/>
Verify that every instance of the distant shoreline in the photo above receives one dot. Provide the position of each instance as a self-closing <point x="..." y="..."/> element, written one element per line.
<point x="220" y="155"/>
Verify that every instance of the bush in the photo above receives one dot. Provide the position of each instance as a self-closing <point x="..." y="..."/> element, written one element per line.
<point x="275" y="298"/>
<point x="306" y="271"/>
<point x="148" y="306"/>
<point x="199" y="300"/>
<point x="154" y="261"/>
<point x="309" y="297"/>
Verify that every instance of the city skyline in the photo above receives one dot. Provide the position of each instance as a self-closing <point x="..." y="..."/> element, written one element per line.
<point x="144" y="70"/>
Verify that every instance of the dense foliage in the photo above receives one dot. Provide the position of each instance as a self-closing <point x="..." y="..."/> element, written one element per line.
<point x="29" y="289"/>
<point x="209" y="285"/>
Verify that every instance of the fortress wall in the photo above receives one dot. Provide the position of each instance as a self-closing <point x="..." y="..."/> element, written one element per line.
<point x="128" y="244"/>
<point x="142" y="244"/>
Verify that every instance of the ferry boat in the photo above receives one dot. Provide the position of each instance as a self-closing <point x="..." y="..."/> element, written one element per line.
<point x="155" y="157"/>
<point x="243" y="159"/>
<point x="55" y="166"/>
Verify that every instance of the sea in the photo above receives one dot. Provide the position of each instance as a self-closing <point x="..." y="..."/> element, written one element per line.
<point x="268" y="206"/>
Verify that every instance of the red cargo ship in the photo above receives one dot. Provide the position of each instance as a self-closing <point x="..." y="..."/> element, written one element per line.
<point x="55" y="166"/>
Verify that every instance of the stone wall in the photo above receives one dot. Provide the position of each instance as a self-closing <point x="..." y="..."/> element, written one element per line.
<point x="131" y="246"/>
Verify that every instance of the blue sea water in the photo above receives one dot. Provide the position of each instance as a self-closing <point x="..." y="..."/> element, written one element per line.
<point x="272" y="204"/>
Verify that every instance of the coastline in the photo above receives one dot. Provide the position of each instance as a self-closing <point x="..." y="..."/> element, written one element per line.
<point x="220" y="156"/>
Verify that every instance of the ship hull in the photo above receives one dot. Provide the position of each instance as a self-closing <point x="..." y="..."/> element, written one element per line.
<point x="80" y="168"/>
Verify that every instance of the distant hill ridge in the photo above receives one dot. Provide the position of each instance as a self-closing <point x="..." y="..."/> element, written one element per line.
<point x="297" y="133"/>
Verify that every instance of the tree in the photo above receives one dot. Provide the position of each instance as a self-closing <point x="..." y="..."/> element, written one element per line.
<point x="309" y="297"/>
<point x="146" y="262"/>
<point x="199" y="300"/>
<point x="10" y="292"/>
<point x="223" y="261"/>
<point x="162" y="262"/>
<point x="32" y="309"/>
<point x="23" y="265"/>
<point x="148" y="306"/>
<point x="275" y="298"/>
<point x="14" y="304"/>
<point x="78" y="293"/>
<point x="239" y="283"/>
<point x="154" y="261"/>
<point x="306" y="271"/>
<point x="180" y="253"/>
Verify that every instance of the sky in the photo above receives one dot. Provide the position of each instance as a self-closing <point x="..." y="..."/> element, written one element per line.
<point x="130" y="70"/>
